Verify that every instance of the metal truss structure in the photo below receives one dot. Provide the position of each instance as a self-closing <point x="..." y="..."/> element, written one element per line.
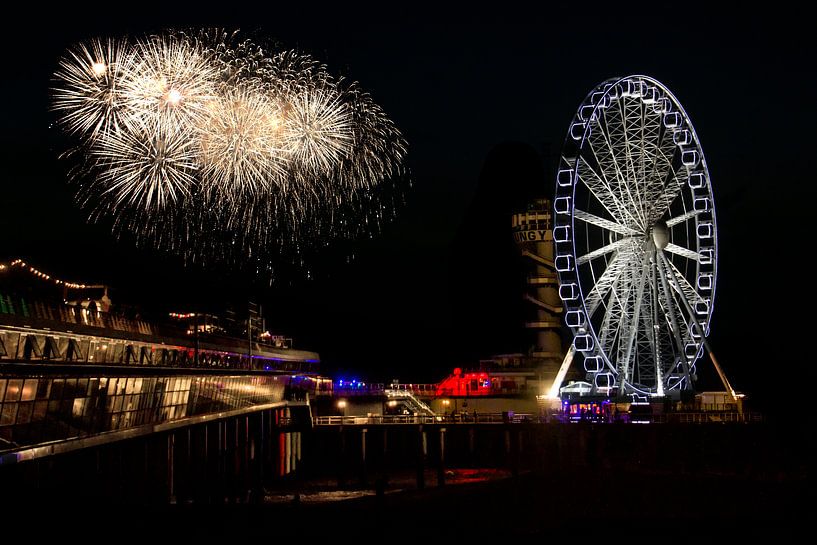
<point x="636" y="239"/>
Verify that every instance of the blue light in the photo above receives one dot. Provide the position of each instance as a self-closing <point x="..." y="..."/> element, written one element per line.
<point x="350" y="384"/>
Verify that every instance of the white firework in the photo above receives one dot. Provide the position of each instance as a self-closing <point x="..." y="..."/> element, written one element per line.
<point x="242" y="144"/>
<point x="379" y="147"/>
<point x="171" y="82"/>
<point x="319" y="128"/>
<point x="89" y="98"/>
<point x="147" y="168"/>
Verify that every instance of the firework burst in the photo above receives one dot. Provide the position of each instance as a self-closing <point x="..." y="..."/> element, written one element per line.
<point x="244" y="152"/>
<point x="319" y="129"/>
<point x="90" y="100"/>
<point x="217" y="149"/>
<point x="147" y="168"/>
<point x="172" y="81"/>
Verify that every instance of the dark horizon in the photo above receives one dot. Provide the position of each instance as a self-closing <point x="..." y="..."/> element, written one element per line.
<point x="484" y="101"/>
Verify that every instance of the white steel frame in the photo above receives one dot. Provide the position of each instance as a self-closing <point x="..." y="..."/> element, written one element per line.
<point x="636" y="239"/>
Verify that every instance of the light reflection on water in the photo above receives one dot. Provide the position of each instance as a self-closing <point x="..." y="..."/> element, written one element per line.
<point x="326" y="491"/>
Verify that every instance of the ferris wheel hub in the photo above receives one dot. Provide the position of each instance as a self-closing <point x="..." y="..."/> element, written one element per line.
<point x="660" y="234"/>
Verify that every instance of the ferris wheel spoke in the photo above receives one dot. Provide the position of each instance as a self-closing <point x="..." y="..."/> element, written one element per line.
<point x="649" y="365"/>
<point x="610" y="151"/>
<point x="662" y="149"/>
<point x="674" y="316"/>
<point x="686" y="303"/>
<point x="629" y="327"/>
<point x="599" y="186"/>
<point x="607" y="334"/>
<point x="651" y="151"/>
<point x="647" y="356"/>
<point x="616" y="314"/>
<point x="681" y="286"/>
<point x="603" y="223"/>
<point x="636" y="152"/>
<point x="671" y="190"/>
<point x="679" y="283"/>
<point x="630" y="125"/>
<point x="681" y="251"/>
<point x="643" y="156"/>
<point x="670" y="311"/>
<point x="655" y="147"/>
<point x="617" y="142"/>
<point x="604" y="283"/>
<point x="601" y="145"/>
<point x="604" y="250"/>
<point x="672" y="222"/>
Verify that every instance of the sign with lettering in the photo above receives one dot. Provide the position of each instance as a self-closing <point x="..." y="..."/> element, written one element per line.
<point x="533" y="235"/>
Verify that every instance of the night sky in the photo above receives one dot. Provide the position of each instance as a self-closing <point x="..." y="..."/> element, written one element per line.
<point x="484" y="99"/>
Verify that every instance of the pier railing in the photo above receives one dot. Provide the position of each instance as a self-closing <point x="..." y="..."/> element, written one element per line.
<point x="707" y="417"/>
<point x="518" y="418"/>
<point x="481" y="418"/>
<point x="369" y="389"/>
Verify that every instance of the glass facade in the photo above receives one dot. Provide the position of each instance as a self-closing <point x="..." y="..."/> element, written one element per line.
<point x="35" y="410"/>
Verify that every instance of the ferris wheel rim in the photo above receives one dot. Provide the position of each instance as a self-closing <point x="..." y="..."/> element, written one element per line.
<point x="596" y="99"/>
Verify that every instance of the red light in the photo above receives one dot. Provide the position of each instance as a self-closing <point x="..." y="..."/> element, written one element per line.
<point x="467" y="385"/>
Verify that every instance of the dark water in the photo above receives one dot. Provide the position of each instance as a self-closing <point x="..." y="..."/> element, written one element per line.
<point x="321" y="491"/>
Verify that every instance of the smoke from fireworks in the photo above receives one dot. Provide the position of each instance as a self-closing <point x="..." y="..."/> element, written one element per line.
<point x="220" y="150"/>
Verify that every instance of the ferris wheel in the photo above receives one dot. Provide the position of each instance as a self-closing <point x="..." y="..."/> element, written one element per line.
<point x="635" y="239"/>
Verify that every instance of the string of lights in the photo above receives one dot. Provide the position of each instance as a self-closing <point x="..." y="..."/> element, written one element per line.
<point x="19" y="263"/>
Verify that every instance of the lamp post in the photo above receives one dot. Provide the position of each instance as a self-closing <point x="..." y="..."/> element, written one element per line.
<point x="342" y="407"/>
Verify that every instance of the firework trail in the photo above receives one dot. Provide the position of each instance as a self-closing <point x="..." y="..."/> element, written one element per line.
<point x="221" y="150"/>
